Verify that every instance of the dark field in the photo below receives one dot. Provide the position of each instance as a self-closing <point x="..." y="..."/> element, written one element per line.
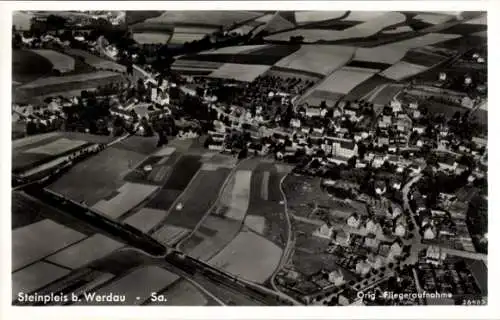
<point x="202" y="194"/>
<point x="183" y="172"/>
<point x="422" y="58"/>
<point x="28" y="66"/>
<point x="368" y="65"/>
<point x="366" y="87"/>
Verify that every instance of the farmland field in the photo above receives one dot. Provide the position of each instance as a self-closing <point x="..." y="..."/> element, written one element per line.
<point x="169" y="234"/>
<point x="422" y="41"/>
<point x="145" y="219"/>
<point x="317" y="96"/>
<point x="202" y="194"/>
<point x="150" y="37"/>
<point x="137" y="286"/>
<point x="57" y="147"/>
<point x="183" y="293"/>
<point x="183" y="172"/>
<point x="267" y="55"/>
<point x="236" y="196"/>
<point x="203" y="18"/>
<point x="240" y="72"/>
<point x="304" y="17"/>
<point x="127" y="198"/>
<point x="422" y="58"/>
<point x="50" y="85"/>
<point x="385" y="95"/>
<point x="181" y="38"/>
<point x="367" y="86"/>
<point x="28" y="66"/>
<point x="59" y="61"/>
<point x="86" y="251"/>
<point x="433" y="18"/>
<point x="322" y="59"/>
<point x="30" y="242"/>
<point x="402" y="70"/>
<point x="250" y="256"/>
<point x="143" y="145"/>
<point x="344" y="80"/>
<point x="95" y="61"/>
<point x="98" y="176"/>
<point x="235" y="49"/>
<point x="35" y="276"/>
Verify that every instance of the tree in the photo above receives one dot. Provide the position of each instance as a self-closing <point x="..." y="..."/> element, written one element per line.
<point x="352" y="162"/>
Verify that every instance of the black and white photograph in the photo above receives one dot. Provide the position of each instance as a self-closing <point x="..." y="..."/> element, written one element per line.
<point x="249" y="158"/>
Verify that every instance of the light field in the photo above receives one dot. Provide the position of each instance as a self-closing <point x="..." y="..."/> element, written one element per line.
<point x="203" y="18"/>
<point x="322" y="59"/>
<point x="249" y="256"/>
<point x="86" y="251"/>
<point x="240" y="72"/>
<point x="37" y="240"/>
<point x="129" y="196"/>
<point x="304" y="17"/>
<point x="170" y="234"/>
<point x="344" y="80"/>
<point x="60" y="61"/>
<point x="183" y="293"/>
<point x="65" y="79"/>
<point x="97" y="62"/>
<point x="145" y="219"/>
<point x="239" y="196"/>
<point x="382" y="54"/>
<point x="235" y="49"/>
<point x="35" y="277"/>
<point x="402" y="70"/>
<point x="256" y="223"/>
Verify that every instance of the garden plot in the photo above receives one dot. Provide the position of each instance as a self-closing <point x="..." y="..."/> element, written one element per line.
<point x="35" y="277"/>
<point x="31" y="243"/>
<point x="85" y="252"/>
<point x="249" y="256"/>
<point x="136" y="286"/>
<point x="182" y="293"/>
<point x="304" y="17"/>
<point x="240" y="72"/>
<point x="322" y="59"/>
<point x="97" y="62"/>
<point x="402" y="70"/>
<point x="146" y="219"/>
<point x="170" y="234"/>
<point x="344" y="80"/>
<point x="98" y="177"/>
<point x="61" y="62"/>
<point x="151" y="37"/>
<point x="57" y="147"/>
<point x="129" y="196"/>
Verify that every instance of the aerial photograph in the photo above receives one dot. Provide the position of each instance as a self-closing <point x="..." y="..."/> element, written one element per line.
<point x="249" y="158"/>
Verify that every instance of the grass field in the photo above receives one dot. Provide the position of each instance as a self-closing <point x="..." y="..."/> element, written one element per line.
<point x="170" y="234"/>
<point x="256" y="223"/>
<point x="86" y="251"/>
<point x="385" y="95"/>
<point x="97" y="62"/>
<point x="183" y="171"/>
<point x="61" y="62"/>
<point x="198" y="199"/>
<point x="143" y="145"/>
<point x="34" y="277"/>
<point x="367" y="86"/>
<point x="145" y="219"/>
<point x="30" y="243"/>
<point x="250" y="256"/>
<point x="97" y="177"/>
<point x="137" y="286"/>
<point x="27" y="66"/>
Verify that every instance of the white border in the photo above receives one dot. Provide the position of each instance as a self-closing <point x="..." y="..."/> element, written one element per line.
<point x="8" y="312"/>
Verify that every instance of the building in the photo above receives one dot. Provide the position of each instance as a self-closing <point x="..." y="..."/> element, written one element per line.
<point x="362" y="267"/>
<point x="396" y="106"/>
<point x="435" y="255"/>
<point x="429" y="232"/>
<point x="345" y="148"/>
<point x="375" y="261"/>
<point x="371" y="241"/>
<point x="342" y="238"/>
<point x="400" y="230"/>
<point x="396" y="248"/>
<point x="325" y="231"/>
<point x="336" y="277"/>
<point x="354" y="220"/>
<point x="373" y="227"/>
